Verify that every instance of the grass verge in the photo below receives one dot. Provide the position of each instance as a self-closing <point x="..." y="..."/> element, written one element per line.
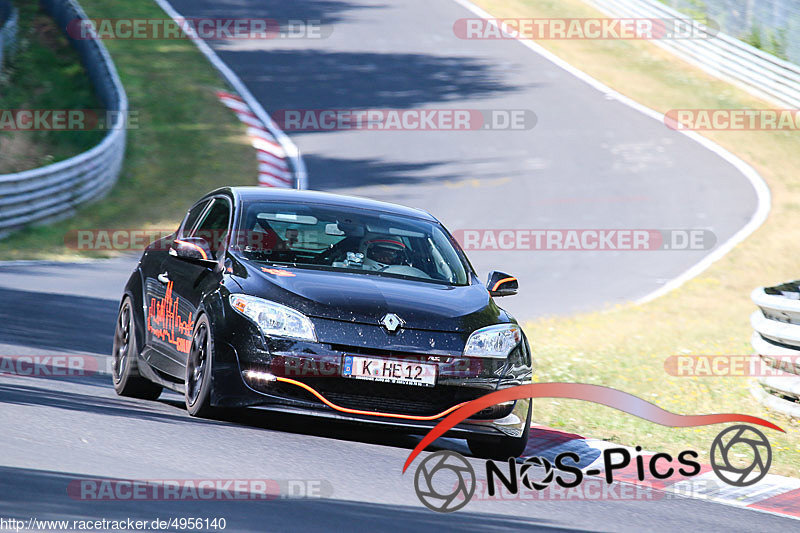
<point x="626" y="347"/>
<point x="186" y="142"/>
<point x="45" y="73"/>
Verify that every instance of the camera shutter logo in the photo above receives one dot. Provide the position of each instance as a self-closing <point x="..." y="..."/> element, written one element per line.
<point x="455" y="468"/>
<point x="723" y="446"/>
<point x="538" y="463"/>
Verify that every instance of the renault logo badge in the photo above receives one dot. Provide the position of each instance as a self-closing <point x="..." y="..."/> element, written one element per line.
<point x="391" y="322"/>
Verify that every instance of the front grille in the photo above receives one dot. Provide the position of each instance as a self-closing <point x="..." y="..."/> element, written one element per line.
<point x="396" y="354"/>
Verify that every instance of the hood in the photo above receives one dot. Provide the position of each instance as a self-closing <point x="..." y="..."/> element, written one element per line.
<point x="366" y="299"/>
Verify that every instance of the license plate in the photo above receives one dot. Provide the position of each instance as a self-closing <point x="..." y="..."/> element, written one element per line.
<point x="389" y="371"/>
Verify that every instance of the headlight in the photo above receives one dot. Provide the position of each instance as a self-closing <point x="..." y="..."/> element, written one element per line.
<point x="274" y="319"/>
<point x="493" y="341"/>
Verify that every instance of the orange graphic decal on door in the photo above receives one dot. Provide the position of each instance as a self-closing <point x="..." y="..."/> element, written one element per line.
<point x="164" y="321"/>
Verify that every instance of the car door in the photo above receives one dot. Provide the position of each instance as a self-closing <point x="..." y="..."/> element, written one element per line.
<point x="166" y="316"/>
<point x="185" y="284"/>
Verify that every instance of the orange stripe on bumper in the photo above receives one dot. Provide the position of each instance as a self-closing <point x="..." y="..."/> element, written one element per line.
<point x="368" y="413"/>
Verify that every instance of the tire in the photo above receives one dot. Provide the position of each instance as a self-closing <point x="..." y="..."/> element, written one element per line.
<point x="199" y="361"/>
<point x="125" y="358"/>
<point x="504" y="447"/>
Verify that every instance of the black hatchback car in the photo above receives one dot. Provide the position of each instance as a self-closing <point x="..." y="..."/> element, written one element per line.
<point x="325" y="305"/>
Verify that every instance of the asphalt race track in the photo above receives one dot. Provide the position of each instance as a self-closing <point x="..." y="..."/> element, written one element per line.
<point x="59" y="430"/>
<point x="589" y="162"/>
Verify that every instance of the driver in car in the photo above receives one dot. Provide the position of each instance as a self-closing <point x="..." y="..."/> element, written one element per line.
<point x="380" y="254"/>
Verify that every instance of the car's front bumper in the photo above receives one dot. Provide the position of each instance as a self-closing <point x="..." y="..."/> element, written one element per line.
<point x="477" y="429"/>
<point x="309" y="371"/>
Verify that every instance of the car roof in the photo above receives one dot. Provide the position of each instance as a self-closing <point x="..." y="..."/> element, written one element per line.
<point x="269" y="194"/>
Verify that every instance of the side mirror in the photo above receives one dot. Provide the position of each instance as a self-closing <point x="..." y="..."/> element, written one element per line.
<point x="502" y="284"/>
<point x="194" y="250"/>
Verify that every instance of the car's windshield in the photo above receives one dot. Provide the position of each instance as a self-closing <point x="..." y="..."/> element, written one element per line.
<point x="330" y="238"/>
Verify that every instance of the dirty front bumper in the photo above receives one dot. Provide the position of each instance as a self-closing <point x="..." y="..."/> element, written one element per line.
<point x="306" y="377"/>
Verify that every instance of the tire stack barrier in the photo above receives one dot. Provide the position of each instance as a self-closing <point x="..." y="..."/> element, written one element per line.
<point x="776" y="340"/>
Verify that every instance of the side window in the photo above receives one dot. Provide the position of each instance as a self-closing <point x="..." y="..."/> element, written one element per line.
<point x="214" y="226"/>
<point x="191" y="218"/>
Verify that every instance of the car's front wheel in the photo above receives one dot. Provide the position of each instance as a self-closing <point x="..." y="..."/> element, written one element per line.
<point x="504" y="447"/>
<point x="198" y="369"/>
<point x="124" y="358"/>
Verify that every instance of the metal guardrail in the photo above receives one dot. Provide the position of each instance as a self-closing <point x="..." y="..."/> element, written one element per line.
<point x="775" y="23"/>
<point x="54" y="191"/>
<point x="760" y="73"/>
<point x="8" y="29"/>
<point x="776" y="340"/>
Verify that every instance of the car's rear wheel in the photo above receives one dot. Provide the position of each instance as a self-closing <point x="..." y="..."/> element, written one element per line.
<point x="198" y="370"/>
<point x="124" y="358"/>
<point x="504" y="447"/>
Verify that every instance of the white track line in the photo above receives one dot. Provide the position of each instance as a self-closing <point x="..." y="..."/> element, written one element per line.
<point x="291" y="149"/>
<point x="758" y="183"/>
